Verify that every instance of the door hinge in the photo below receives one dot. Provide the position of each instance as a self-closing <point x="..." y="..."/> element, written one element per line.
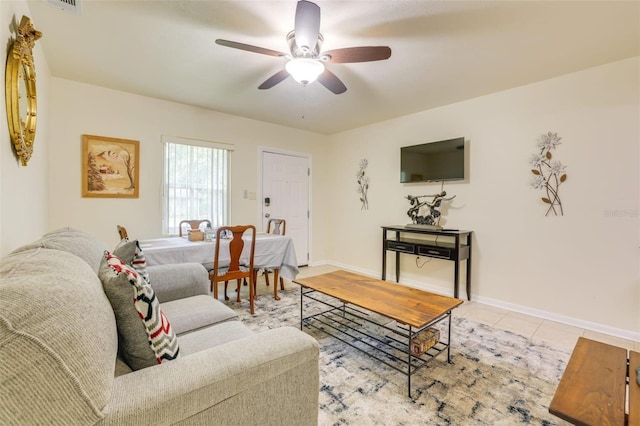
<point x="308" y="171"/>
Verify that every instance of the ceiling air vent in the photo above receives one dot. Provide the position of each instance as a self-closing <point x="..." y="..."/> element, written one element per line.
<point x="71" y="6"/>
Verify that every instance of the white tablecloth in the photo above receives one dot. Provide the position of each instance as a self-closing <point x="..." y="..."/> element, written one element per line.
<point x="272" y="251"/>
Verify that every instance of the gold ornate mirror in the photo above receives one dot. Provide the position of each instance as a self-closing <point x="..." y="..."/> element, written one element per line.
<point x="20" y="90"/>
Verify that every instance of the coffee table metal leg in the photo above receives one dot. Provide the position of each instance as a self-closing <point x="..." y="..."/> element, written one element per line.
<point x="301" y="304"/>
<point x="409" y="363"/>
<point x="449" y="340"/>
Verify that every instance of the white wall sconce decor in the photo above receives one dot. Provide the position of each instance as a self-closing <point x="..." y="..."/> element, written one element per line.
<point x="363" y="184"/>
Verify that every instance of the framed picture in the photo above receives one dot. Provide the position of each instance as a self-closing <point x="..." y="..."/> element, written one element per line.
<point x="110" y="167"/>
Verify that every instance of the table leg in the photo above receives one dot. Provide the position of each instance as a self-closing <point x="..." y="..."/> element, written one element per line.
<point x="397" y="259"/>
<point x="384" y="255"/>
<point x="252" y="295"/>
<point x="469" y="268"/>
<point x="456" y="279"/>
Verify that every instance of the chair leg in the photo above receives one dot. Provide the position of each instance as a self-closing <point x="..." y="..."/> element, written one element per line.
<point x="238" y="290"/>
<point x="266" y="277"/>
<point x="281" y="284"/>
<point x="226" y="284"/>
<point x="276" y="272"/>
<point x="214" y="288"/>
<point x="252" y="293"/>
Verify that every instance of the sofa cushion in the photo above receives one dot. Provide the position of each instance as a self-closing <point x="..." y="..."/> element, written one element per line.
<point x="80" y="243"/>
<point x="192" y="313"/>
<point x="131" y="253"/>
<point x="58" y="340"/>
<point x="209" y="337"/>
<point x="145" y="335"/>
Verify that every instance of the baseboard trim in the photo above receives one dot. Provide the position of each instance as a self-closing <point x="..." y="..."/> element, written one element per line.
<point x="575" y="322"/>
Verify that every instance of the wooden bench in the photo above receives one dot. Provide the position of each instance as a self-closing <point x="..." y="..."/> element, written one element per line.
<point x="596" y="384"/>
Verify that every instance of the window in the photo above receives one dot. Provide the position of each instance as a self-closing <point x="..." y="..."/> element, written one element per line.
<point x="195" y="183"/>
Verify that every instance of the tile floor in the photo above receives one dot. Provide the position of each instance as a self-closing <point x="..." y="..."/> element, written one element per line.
<point x="553" y="333"/>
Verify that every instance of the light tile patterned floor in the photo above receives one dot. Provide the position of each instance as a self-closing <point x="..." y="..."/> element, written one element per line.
<point x="553" y="333"/>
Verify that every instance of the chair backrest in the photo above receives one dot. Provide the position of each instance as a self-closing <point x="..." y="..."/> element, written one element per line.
<point x="193" y="224"/>
<point x="236" y="245"/>
<point x="279" y="226"/>
<point x="122" y="231"/>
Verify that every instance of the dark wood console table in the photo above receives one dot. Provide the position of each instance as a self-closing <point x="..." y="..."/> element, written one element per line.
<point x="447" y="244"/>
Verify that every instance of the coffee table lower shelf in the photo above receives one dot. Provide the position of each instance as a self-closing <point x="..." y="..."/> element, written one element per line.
<point x="392" y="347"/>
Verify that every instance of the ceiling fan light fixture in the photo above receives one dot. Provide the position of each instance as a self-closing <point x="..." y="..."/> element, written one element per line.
<point x="304" y="70"/>
<point x="307" y="59"/>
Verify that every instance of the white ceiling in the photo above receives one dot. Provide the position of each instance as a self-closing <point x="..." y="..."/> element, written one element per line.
<point x="442" y="52"/>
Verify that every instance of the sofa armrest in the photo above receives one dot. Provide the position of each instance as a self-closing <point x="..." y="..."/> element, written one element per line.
<point x="179" y="280"/>
<point x="270" y="377"/>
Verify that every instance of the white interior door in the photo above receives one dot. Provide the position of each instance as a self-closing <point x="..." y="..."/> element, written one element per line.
<point x="285" y="183"/>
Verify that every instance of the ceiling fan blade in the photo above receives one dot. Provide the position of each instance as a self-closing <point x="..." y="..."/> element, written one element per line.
<point x="307" y="26"/>
<point x="332" y="82"/>
<point x="358" y="54"/>
<point x="274" y="79"/>
<point x="249" y="48"/>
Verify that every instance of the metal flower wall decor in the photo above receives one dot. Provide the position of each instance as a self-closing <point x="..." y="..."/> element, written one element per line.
<point x="548" y="174"/>
<point x="363" y="184"/>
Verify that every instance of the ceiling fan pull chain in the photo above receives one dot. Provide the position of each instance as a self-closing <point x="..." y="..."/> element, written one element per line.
<point x="304" y="100"/>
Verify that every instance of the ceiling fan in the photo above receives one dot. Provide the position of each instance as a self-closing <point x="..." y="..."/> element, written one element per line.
<point x="306" y="60"/>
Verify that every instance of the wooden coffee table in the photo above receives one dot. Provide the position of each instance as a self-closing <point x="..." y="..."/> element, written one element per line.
<point x="350" y="308"/>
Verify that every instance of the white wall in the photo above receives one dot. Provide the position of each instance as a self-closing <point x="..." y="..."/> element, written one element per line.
<point x="24" y="190"/>
<point x="84" y="109"/>
<point x="581" y="267"/>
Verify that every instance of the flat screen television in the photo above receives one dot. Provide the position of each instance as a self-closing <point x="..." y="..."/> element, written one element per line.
<point x="433" y="161"/>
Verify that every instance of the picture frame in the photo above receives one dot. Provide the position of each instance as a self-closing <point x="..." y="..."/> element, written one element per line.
<point x="110" y="167"/>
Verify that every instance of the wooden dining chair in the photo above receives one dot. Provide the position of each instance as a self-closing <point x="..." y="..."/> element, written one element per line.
<point x="275" y="227"/>
<point x="122" y="231"/>
<point x="235" y="270"/>
<point x="193" y="224"/>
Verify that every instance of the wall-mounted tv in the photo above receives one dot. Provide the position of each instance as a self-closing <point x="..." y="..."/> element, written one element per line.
<point x="433" y="161"/>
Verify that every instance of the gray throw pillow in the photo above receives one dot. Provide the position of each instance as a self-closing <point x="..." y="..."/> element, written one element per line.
<point x="131" y="253"/>
<point x="145" y="336"/>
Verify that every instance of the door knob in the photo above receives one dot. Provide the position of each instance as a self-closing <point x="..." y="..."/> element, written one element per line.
<point x="267" y="215"/>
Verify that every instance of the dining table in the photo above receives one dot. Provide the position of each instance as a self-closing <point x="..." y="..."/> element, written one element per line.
<point x="272" y="252"/>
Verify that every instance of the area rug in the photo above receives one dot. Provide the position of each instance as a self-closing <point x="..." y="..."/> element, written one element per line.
<point x="496" y="377"/>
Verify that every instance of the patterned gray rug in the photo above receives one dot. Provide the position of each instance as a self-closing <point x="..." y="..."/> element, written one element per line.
<point x="495" y="378"/>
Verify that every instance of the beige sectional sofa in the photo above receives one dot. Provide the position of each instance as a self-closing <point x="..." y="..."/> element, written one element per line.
<point x="59" y="347"/>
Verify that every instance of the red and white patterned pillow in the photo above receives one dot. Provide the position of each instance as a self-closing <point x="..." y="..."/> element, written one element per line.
<point x="146" y="336"/>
